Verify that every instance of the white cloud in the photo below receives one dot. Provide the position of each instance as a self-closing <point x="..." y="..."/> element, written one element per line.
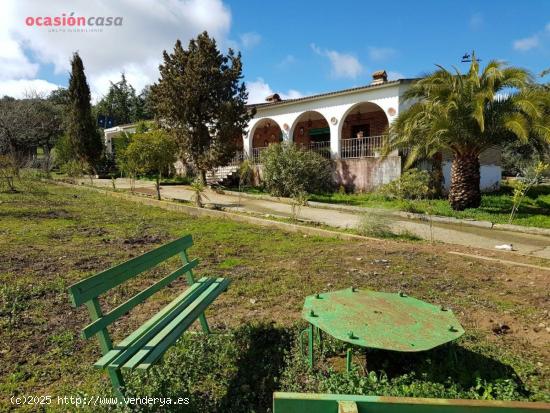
<point x="19" y="88"/>
<point x="258" y="90"/>
<point x="343" y="65"/>
<point x="534" y="41"/>
<point x="250" y="40"/>
<point x="148" y="28"/>
<point x="381" y="53"/>
<point x="527" y="43"/>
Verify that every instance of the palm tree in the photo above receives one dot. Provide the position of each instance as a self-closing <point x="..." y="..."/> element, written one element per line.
<point x="467" y="114"/>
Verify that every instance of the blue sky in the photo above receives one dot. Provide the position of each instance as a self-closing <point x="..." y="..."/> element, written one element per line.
<point x="291" y="47"/>
<point x="404" y="37"/>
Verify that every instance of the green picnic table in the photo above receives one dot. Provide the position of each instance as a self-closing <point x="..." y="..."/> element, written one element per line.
<point x="372" y="319"/>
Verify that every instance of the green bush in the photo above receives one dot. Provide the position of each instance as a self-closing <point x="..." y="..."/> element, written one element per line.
<point x="75" y="168"/>
<point x="120" y="142"/>
<point x="149" y="153"/>
<point x="289" y="171"/>
<point x="62" y="151"/>
<point x="412" y="184"/>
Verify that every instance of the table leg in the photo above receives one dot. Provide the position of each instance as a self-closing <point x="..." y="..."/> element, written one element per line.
<point x="348" y="360"/>
<point x="310" y="345"/>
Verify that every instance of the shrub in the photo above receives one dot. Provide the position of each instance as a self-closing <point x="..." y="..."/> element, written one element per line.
<point x="119" y="143"/>
<point x="289" y="171"/>
<point x="246" y="173"/>
<point x="412" y="184"/>
<point x="62" y="151"/>
<point x="75" y="168"/>
<point x="375" y="226"/>
<point x="150" y="153"/>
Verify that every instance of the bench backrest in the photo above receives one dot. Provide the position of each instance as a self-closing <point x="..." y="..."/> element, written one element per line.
<point x="88" y="290"/>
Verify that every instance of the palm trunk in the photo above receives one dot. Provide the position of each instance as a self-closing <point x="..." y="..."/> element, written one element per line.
<point x="464" y="192"/>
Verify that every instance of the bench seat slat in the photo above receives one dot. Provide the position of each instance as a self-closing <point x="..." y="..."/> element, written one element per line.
<point x="125" y="307"/>
<point x="97" y="284"/>
<point x="148" y="329"/>
<point x="156" y="347"/>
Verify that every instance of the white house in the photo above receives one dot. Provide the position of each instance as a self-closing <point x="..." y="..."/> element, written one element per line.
<point x="110" y="132"/>
<point x="349" y="126"/>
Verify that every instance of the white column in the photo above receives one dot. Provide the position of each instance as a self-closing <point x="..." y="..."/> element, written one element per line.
<point x="286" y="135"/>
<point x="247" y="144"/>
<point x="335" y="142"/>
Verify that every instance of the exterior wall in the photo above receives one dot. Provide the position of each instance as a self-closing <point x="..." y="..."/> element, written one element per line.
<point x="366" y="174"/>
<point x="490" y="170"/>
<point x="356" y="175"/>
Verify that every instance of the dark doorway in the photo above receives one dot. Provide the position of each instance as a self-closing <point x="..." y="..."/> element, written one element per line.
<point x="357" y="129"/>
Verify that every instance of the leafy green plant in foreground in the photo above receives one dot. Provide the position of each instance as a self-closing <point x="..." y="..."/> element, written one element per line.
<point x="523" y="186"/>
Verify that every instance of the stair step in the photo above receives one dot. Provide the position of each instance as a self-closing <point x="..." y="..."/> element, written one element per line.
<point x="220" y="174"/>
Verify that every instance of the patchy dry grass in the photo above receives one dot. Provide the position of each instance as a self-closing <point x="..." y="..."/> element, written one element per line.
<point x="54" y="236"/>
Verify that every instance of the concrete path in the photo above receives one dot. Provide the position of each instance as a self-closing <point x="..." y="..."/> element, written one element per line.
<point x="528" y="244"/>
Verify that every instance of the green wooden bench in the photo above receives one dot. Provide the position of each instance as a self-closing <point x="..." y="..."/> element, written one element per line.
<point x="142" y="348"/>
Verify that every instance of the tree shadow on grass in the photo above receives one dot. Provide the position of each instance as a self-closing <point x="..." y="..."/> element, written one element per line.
<point x="238" y="372"/>
<point x="230" y="372"/>
<point x="258" y="368"/>
<point x="444" y="364"/>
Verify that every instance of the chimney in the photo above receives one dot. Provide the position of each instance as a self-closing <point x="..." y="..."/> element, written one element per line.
<point x="273" y="98"/>
<point x="379" y="77"/>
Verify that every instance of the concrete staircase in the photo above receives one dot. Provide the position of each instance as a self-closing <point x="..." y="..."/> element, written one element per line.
<point x="221" y="175"/>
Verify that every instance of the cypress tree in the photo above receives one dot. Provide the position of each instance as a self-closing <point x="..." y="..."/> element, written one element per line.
<point x="83" y="135"/>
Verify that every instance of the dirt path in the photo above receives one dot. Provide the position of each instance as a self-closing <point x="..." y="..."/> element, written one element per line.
<point x="469" y="236"/>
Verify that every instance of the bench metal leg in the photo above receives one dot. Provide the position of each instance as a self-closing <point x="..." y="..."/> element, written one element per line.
<point x="204" y="324"/>
<point x="348" y="360"/>
<point x="106" y="344"/>
<point x="117" y="381"/>
<point x="190" y="281"/>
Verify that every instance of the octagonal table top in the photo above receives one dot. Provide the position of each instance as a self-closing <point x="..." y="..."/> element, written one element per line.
<point x="389" y="321"/>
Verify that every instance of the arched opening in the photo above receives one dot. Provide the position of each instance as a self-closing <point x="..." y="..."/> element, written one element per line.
<point x="363" y="131"/>
<point x="265" y="132"/>
<point x="311" y="131"/>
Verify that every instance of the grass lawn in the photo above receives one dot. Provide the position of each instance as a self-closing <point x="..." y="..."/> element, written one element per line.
<point x="496" y="207"/>
<point x="52" y="236"/>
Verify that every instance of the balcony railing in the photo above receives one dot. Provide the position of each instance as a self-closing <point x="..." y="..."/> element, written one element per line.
<point x="369" y="146"/>
<point x="237" y="159"/>
<point x="257" y="153"/>
<point x="322" y="148"/>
